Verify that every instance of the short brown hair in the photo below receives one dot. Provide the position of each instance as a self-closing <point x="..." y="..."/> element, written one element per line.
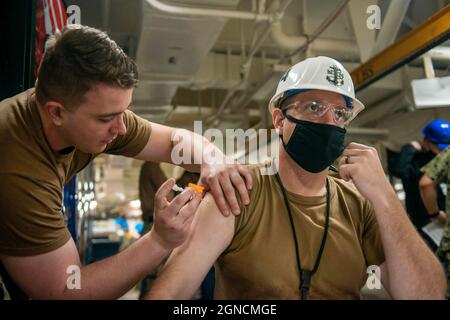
<point x="78" y="58"/>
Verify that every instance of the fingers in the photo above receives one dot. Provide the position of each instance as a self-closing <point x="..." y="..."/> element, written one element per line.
<point x="354" y="145"/>
<point x="162" y="193"/>
<point x="356" y="152"/>
<point x="342" y="161"/>
<point x="222" y="183"/>
<point x="350" y="159"/>
<point x="238" y="182"/>
<point x="190" y="208"/>
<point x="187" y="224"/>
<point x="244" y="171"/>
<point x="180" y="200"/>
<point x="217" y="193"/>
<point x="345" y="172"/>
<point x="349" y="166"/>
<point x="351" y="152"/>
<point x="230" y="195"/>
<point x="355" y="149"/>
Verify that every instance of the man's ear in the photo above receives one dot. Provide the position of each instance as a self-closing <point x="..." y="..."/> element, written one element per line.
<point x="277" y="120"/>
<point x="434" y="148"/>
<point x="54" y="111"/>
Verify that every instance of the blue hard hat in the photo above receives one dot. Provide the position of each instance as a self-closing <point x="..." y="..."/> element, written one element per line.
<point x="438" y="132"/>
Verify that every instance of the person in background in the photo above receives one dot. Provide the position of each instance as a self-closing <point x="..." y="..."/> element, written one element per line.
<point x="434" y="173"/>
<point x="413" y="157"/>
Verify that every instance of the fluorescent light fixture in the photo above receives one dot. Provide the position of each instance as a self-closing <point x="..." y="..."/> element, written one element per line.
<point x="431" y="93"/>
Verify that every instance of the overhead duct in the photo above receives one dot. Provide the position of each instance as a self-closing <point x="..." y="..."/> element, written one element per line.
<point x="229" y="14"/>
<point x="170" y="51"/>
<point x="320" y="45"/>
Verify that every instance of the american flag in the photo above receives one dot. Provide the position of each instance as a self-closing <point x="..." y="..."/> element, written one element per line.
<point x="51" y="17"/>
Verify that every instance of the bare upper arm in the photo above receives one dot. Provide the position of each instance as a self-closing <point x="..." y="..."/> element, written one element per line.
<point x="188" y="265"/>
<point x="159" y="145"/>
<point x="43" y="276"/>
<point x="426" y="182"/>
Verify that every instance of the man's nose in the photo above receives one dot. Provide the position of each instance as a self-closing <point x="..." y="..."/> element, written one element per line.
<point x="328" y="117"/>
<point x="119" y="126"/>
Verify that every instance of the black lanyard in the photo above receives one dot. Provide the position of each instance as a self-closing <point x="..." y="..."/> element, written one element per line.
<point x="305" y="275"/>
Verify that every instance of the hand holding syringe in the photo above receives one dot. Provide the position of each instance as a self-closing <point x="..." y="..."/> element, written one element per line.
<point x="177" y="189"/>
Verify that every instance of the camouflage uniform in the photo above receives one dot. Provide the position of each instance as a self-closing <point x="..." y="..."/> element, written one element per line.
<point x="439" y="171"/>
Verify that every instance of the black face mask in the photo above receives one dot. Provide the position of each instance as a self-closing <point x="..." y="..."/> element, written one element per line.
<point x="314" y="146"/>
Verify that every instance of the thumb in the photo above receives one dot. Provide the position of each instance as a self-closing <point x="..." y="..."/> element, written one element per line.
<point x="163" y="192"/>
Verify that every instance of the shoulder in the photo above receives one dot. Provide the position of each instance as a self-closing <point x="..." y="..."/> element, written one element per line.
<point x="260" y="179"/>
<point x="348" y="195"/>
<point x="13" y="107"/>
<point x="440" y="163"/>
<point x="210" y="225"/>
<point x="262" y="190"/>
<point x="346" y="188"/>
<point x="443" y="157"/>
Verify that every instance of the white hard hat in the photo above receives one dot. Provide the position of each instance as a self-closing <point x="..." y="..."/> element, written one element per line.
<point x="322" y="73"/>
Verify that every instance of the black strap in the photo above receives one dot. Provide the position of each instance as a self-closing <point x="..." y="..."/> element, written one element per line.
<point x="305" y="275"/>
<point x="434" y="215"/>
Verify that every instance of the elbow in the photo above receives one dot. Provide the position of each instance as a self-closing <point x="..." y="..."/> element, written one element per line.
<point x="440" y="292"/>
<point x="160" y="294"/>
<point x="161" y="291"/>
<point x="436" y="294"/>
<point x="436" y="286"/>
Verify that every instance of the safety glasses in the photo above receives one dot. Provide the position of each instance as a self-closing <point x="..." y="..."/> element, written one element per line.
<point x="313" y="110"/>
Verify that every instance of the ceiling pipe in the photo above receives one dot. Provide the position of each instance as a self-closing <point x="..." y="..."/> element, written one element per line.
<point x="230" y="14"/>
<point x="277" y="17"/>
<point x="312" y="42"/>
<point x="245" y="66"/>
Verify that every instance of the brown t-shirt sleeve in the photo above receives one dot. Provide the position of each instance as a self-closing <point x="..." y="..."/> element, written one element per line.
<point x="242" y="219"/>
<point x="246" y="222"/>
<point x="31" y="221"/>
<point x="371" y="238"/>
<point x="134" y="140"/>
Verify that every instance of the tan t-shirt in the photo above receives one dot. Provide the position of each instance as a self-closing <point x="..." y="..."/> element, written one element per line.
<point x="33" y="176"/>
<point x="260" y="262"/>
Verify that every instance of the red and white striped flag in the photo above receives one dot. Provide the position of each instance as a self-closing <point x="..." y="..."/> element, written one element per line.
<point x="51" y="16"/>
<point x="55" y="16"/>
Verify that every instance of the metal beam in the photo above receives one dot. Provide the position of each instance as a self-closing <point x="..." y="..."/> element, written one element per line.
<point x="365" y="38"/>
<point x="391" y="24"/>
<point x="428" y="35"/>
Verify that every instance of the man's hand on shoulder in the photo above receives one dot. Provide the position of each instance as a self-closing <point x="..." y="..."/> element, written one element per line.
<point x="221" y="177"/>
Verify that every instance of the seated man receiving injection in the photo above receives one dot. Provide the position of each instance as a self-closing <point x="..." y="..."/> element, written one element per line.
<point x="305" y="234"/>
